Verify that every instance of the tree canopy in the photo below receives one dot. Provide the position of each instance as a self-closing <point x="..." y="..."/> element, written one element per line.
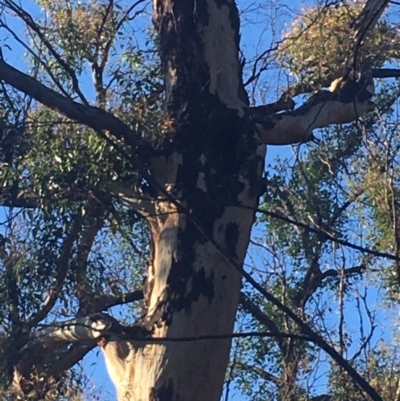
<point x="132" y="146"/>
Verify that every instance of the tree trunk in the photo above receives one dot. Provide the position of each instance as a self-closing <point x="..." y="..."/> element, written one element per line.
<point x="193" y="292"/>
<point x="204" y="186"/>
<point x="208" y="177"/>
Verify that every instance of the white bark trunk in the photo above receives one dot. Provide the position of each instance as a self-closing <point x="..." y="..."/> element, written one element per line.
<point x="212" y="168"/>
<point x="193" y="291"/>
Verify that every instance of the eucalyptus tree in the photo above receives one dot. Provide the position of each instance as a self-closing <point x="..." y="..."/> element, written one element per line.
<point x="175" y="146"/>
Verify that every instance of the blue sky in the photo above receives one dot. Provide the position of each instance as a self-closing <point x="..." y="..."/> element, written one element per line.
<point x="257" y="34"/>
<point x="262" y="26"/>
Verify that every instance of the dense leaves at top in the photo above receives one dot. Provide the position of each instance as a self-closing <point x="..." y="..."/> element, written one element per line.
<point x="317" y="45"/>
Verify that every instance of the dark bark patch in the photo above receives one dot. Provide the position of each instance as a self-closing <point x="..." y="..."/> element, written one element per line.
<point x="163" y="393"/>
<point x="201" y="285"/>
<point x="185" y="283"/>
<point x="232" y="238"/>
<point x="222" y="138"/>
<point x="181" y="299"/>
<point x="202" y="12"/>
<point x="264" y="120"/>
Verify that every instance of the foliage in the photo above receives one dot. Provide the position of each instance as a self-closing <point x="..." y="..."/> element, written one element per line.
<point x="344" y="189"/>
<point x="322" y="34"/>
<point x="72" y="237"/>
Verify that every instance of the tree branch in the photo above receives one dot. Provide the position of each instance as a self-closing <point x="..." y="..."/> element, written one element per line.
<point x="321" y="110"/>
<point x="316" y="281"/>
<point x="375" y="72"/>
<point x="141" y="203"/>
<point x="29" y="21"/>
<point x="328" y="236"/>
<point x="109" y="43"/>
<point x="87" y="328"/>
<point x="260" y="316"/>
<point x="386" y="73"/>
<point x="316" y="338"/>
<point x="91" y="116"/>
<point x="71" y="357"/>
<point x="84" y="291"/>
<point x="62" y="270"/>
<point x="108" y="301"/>
<point x="10" y="197"/>
<point x="366" y="21"/>
<point x="246" y="367"/>
<point x="253" y="309"/>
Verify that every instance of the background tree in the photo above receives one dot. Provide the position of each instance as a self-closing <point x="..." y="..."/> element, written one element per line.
<point x="83" y="170"/>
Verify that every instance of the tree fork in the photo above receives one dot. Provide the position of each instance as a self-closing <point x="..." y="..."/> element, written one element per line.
<point x="208" y="173"/>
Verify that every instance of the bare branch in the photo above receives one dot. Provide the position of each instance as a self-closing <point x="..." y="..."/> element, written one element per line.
<point x="386" y="73"/>
<point x="246" y="367"/>
<point x="83" y="288"/>
<point x="108" y="301"/>
<point x="108" y="45"/>
<point x="250" y="307"/>
<point x="36" y="57"/>
<point x="260" y="316"/>
<point x="95" y="326"/>
<point x="316" y="338"/>
<point x="27" y="18"/>
<point x="366" y="21"/>
<point x="141" y="203"/>
<point x="62" y="270"/>
<point x="315" y="281"/>
<point x="85" y="328"/>
<point x="321" y="110"/>
<point x="71" y="357"/>
<point x="327" y="235"/>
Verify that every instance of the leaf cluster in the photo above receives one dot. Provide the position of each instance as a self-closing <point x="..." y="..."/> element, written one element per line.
<point x="317" y="46"/>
